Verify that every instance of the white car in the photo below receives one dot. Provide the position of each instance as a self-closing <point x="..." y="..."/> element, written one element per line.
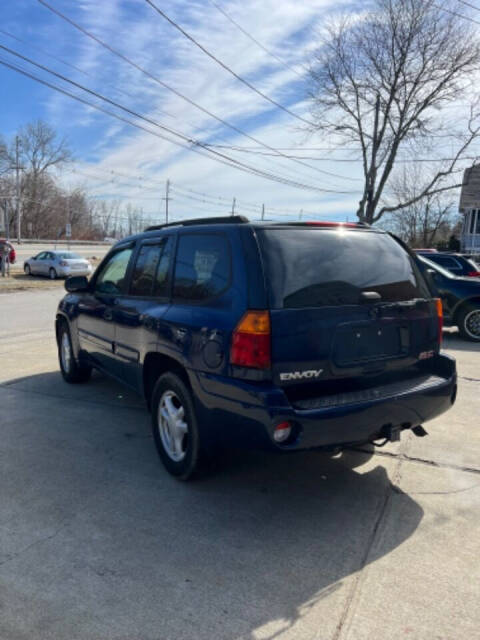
<point x="57" y="264"/>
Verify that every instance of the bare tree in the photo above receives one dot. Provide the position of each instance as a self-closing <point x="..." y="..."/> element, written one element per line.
<point x="380" y="80"/>
<point x="427" y="219"/>
<point x="41" y="149"/>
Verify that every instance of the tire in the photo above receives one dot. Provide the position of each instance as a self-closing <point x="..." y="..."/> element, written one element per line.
<point x="52" y="274"/>
<point x="27" y="270"/>
<point x="469" y="323"/>
<point x="175" y="427"/>
<point x="71" y="370"/>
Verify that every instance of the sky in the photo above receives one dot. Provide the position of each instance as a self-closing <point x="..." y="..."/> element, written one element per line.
<point x="114" y="160"/>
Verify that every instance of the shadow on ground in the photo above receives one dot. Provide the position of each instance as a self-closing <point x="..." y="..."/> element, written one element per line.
<point x="453" y="341"/>
<point x="97" y="541"/>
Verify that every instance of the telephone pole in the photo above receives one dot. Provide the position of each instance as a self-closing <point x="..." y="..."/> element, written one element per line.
<point x="301" y="214"/>
<point x="17" y="191"/>
<point x="233" y="206"/>
<point x="263" y="212"/>
<point x="167" y="199"/>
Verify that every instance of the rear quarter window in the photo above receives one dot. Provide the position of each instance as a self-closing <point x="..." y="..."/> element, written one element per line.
<point x="319" y="267"/>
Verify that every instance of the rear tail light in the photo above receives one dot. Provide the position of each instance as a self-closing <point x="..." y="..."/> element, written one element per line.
<point x="251" y="341"/>
<point x="63" y="263"/>
<point x="474" y="274"/>
<point x="439" y="307"/>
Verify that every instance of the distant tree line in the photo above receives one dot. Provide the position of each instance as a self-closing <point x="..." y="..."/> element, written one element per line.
<point x="40" y="156"/>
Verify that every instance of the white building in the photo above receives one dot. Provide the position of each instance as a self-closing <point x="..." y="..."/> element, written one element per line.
<point x="470" y="207"/>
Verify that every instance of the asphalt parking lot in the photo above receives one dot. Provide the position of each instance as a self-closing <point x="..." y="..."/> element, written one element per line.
<point x="97" y="542"/>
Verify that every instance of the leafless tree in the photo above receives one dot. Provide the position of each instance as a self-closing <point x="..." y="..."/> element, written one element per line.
<point x="41" y="149"/>
<point x="380" y="81"/>
<point x="428" y="219"/>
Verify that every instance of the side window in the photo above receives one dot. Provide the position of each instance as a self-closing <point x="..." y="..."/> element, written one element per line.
<point x="448" y="263"/>
<point x="151" y="270"/>
<point x="111" y="278"/>
<point x="202" y="268"/>
<point x="40" y="256"/>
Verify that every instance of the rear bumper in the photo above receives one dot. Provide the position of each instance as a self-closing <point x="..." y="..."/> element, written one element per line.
<point x="235" y="410"/>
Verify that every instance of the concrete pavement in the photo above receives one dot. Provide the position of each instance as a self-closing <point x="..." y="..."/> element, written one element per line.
<point x="97" y="542"/>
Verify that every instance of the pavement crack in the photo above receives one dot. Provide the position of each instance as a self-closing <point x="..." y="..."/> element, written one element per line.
<point x="407" y="458"/>
<point x="17" y="554"/>
<point x="469" y="379"/>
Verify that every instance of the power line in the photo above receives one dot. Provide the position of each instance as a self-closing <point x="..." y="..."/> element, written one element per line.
<point x="468" y="4"/>
<point x="45" y="53"/>
<point x="455" y="13"/>
<point x="168" y="87"/>
<point x="250" y="37"/>
<point x="226" y="67"/>
<point x="221" y="157"/>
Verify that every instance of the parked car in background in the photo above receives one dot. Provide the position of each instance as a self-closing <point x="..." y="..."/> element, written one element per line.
<point x="57" y="264"/>
<point x="457" y="263"/>
<point x="460" y="297"/>
<point x="290" y="336"/>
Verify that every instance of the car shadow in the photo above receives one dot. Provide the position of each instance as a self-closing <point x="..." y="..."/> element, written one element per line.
<point x="453" y="341"/>
<point x="99" y="541"/>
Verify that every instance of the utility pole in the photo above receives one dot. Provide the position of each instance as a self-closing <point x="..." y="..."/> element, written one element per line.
<point x="233" y="206"/>
<point x="68" y="229"/>
<point x="263" y="212"/>
<point x="17" y="191"/>
<point x="167" y="199"/>
<point x="300" y="214"/>
<point x="5" y="217"/>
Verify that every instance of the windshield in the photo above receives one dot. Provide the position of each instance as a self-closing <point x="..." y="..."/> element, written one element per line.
<point x="315" y="268"/>
<point x="68" y="255"/>
<point x="437" y="267"/>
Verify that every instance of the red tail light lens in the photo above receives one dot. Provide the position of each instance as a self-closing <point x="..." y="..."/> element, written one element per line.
<point x="474" y="274"/>
<point x="438" y="303"/>
<point x="63" y="263"/>
<point x="251" y="341"/>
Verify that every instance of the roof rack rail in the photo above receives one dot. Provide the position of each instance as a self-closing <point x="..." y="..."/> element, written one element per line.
<point x="325" y="223"/>
<point x="193" y="221"/>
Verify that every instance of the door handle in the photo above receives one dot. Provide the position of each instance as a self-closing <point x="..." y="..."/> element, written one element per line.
<point x="107" y="314"/>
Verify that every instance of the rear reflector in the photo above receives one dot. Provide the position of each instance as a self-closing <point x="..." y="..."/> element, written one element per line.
<point x="438" y="304"/>
<point x="251" y="341"/>
<point x="282" y="432"/>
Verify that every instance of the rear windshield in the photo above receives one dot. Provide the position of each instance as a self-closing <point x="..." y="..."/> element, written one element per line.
<point x="319" y="267"/>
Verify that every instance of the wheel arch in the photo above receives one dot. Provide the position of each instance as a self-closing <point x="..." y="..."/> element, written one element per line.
<point x="475" y="300"/>
<point x="156" y="364"/>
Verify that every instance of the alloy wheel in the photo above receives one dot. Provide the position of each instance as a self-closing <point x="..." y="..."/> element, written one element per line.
<point x="172" y="426"/>
<point x="66" y="352"/>
<point x="472" y="324"/>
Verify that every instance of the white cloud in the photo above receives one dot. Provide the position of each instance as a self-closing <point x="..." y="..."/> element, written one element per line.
<point x="141" y="34"/>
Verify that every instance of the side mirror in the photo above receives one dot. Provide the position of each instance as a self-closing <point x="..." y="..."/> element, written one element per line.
<point x="76" y="283"/>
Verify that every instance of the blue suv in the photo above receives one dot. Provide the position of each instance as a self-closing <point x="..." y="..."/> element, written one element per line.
<point x="292" y="336"/>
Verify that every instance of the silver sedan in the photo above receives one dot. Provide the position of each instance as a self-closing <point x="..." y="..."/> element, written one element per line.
<point x="57" y="264"/>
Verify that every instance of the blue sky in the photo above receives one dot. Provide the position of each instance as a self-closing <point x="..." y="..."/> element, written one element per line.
<point x="116" y="160"/>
